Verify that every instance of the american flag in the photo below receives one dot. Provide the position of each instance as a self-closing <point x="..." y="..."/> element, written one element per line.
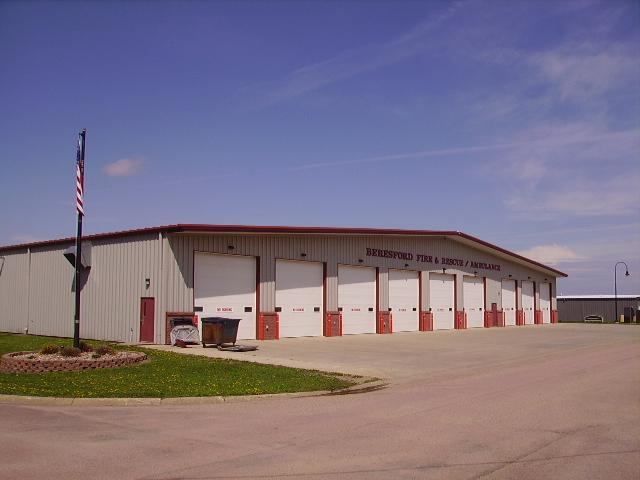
<point x="80" y="175"/>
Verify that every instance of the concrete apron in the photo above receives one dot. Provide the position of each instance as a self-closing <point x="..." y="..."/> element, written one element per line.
<point x="408" y="357"/>
<point x="397" y="357"/>
<point x="306" y="353"/>
<point x="400" y="358"/>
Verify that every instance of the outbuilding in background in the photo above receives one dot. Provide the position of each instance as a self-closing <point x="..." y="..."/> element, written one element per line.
<point x="577" y="308"/>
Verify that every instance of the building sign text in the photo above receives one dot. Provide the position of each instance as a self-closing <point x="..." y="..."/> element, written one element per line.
<point x="423" y="258"/>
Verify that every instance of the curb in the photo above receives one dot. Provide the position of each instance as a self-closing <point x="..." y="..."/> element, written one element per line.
<point x="177" y="401"/>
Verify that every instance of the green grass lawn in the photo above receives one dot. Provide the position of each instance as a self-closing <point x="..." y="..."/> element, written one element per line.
<point x="167" y="374"/>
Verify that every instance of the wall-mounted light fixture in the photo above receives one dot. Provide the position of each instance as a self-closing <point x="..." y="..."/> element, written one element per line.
<point x="406" y="265"/>
<point x="510" y="275"/>
<point x="475" y="272"/>
<point x="528" y="278"/>
<point x="230" y="247"/>
<point x="444" y="270"/>
<point x="360" y="260"/>
<point x="303" y="254"/>
<point x="147" y="282"/>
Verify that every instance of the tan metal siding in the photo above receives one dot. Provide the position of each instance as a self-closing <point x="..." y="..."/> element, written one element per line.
<point x="494" y="292"/>
<point x="424" y="298"/>
<point x="14" y="280"/>
<point x="334" y="250"/>
<point x="111" y="297"/>
<point x="110" y="308"/>
<point x="50" y="294"/>
<point x="332" y="286"/>
<point x="459" y="291"/>
<point x="383" y="289"/>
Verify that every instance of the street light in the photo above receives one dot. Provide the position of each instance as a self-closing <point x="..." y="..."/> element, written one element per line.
<point x="615" y="282"/>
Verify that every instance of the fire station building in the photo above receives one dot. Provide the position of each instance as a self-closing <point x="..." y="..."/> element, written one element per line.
<point x="279" y="281"/>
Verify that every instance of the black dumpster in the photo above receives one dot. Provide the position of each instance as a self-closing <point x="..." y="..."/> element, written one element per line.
<point x="219" y="330"/>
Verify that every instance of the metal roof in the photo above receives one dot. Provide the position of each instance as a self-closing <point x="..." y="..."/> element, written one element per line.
<point x="259" y="229"/>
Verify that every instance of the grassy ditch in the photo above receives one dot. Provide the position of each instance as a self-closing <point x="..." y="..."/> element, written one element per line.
<point x="167" y="374"/>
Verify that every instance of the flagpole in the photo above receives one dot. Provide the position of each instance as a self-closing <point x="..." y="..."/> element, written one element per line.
<point x="80" y="211"/>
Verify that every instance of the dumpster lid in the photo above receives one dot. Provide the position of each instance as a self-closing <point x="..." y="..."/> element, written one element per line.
<point x="218" y="319"/>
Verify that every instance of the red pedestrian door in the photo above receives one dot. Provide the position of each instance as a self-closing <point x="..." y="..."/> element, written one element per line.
<point x="147" y="320"/>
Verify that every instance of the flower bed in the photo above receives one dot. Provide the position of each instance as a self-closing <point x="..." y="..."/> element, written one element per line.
<point x="32" y="362"/>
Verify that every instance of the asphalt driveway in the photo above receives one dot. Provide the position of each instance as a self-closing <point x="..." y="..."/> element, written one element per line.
<point x="553" y="401"/>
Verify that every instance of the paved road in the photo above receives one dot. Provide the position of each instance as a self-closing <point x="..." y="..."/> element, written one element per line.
<point x="529" y="403"/>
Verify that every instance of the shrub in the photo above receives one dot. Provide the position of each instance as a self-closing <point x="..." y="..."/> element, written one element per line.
<point x="85" y="347"/>
<point x="49" y="349"/>
<point x="95" y="355"/>
<point x="70" y="352"/>
<point x="105" y="350"/>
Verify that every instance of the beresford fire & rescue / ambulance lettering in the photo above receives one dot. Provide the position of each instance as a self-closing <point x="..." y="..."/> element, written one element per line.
<point x="423" y="258"/>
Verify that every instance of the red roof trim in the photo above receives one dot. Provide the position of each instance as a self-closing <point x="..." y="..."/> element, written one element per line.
<point x="203" y="228"/>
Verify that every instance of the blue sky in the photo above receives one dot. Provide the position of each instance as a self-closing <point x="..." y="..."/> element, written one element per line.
<point x="514" y="121"/>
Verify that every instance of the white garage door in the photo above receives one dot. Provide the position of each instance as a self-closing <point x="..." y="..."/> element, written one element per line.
<point x="545" y="302"/>
<point x="299" y="298"/>
<point x="473" y="291"/>
<point x="527" y="302"/>
<point x="441" y="289"/>
<point x="357" y="299"/>
<point x="403" y="300"/>
<point x="225" y="286"/>
<point x="509" y="301"/>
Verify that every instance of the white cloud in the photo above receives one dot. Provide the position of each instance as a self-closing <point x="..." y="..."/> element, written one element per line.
<point x="352" y="62"/>
<point x="446" y="152"/>
<point x="574" y="142"/>
<point x="610" y="247"/>
<point x="495" y="106"/>
<point x="618" y="195"/>
<point x="618" y="230"/>
<point x="125" y="167"/>
<point x="572" y="169"/>
<point x="597" y="248"/>
<point x="550" y="254"/>
<point x="581" y="72"/>
<point x="568" y="110"/>
<point x="526" y="156"/>
<point x="615" y="196"/>
<point x="530" y="167"/>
